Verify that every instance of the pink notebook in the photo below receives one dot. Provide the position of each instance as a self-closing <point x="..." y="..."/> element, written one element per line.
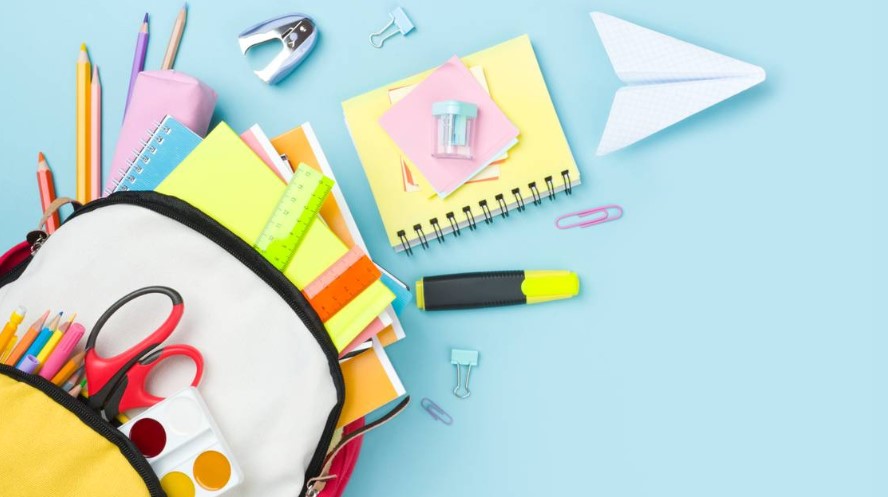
<point x="410" y="124"/>
<point x="156" y="95"/>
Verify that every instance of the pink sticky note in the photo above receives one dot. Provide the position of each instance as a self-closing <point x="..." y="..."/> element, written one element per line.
<point x="411" y="126"/>
<point x="372" y="329"/>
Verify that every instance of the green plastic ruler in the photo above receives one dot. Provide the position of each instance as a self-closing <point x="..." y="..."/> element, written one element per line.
<point x="295" y="211"/>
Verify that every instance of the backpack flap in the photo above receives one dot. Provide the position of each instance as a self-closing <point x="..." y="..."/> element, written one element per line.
<point x="51" y="444"/>
<point x="271" y="379"/>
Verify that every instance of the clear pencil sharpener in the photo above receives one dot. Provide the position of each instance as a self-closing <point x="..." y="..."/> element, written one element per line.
<point x="454" y="129"/>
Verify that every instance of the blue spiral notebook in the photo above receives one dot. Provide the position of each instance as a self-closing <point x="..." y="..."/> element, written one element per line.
<point x="168" y="146"/>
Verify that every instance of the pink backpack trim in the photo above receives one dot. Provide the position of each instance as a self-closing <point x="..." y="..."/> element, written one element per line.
<point x="13" y="257"/>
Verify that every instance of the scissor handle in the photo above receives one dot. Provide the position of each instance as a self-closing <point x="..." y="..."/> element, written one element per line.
<point x="135" y="393"/>
<point x="104" y="372"/>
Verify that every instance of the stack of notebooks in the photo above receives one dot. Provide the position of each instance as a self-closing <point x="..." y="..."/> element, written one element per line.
<point x="238" y="180"/>
<point x="538" y="167"/>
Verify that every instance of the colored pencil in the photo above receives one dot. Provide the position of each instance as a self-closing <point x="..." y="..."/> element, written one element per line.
<point x="64" y="326"/>
<point x="83" y="127"/>
<point x="175" y="39"/>
<point x="95" y="136"/>
<point x="42" y="339"/>
<point x="74" y="379"/>
<point x="26" y="341"/>
<point x="69" y="370"/>
<point x="75" y="391"/>
<point x="138" y="59"/>
<point x="46" y="186"/>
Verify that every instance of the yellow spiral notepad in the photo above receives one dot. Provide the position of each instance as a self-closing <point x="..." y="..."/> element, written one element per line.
<point x="539" y="166"/>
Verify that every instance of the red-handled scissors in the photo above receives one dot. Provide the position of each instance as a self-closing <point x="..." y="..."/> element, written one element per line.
<point x="117" y="384"/>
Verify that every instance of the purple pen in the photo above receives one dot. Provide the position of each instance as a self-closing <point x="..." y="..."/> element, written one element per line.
<point x="29" y="364"/>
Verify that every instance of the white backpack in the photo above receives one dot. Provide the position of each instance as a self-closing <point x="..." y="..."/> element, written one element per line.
<point x="271" y="378"/>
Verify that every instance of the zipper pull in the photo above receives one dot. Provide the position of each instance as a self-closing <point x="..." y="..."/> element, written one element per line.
<point x="37" y="237"/>
<point x="35" y="240"/>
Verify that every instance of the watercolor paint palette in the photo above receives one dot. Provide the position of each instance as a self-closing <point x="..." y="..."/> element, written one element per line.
<point x="184" y="447"/>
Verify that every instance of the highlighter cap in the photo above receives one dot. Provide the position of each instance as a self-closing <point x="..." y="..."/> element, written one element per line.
<point x="543" y="286"/>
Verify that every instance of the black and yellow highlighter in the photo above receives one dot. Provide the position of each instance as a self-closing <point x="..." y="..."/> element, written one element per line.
<point x="494" y="288"/>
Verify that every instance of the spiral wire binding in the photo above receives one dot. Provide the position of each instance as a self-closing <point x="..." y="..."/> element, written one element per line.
<point x="489" y="217"/>
<point x="550" y="188"/>
<point x="504" y="207"/>
<point x="405" y="243"/>
<point x="518" y="199"/>
<point x="454" y="226"/>
<point x="422" y="238"/>
<point x="568" y="186"/>
<point x="470" y="218"/>
<point x="537" y="199"/>
<point x="132" y="163"/>
<point x="439" y="233"/>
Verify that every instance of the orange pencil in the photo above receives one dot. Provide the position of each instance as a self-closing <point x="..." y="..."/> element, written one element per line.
<point x="68" y="370"/>
<point x="47" y="192"/>
<point x="26" y="341"/>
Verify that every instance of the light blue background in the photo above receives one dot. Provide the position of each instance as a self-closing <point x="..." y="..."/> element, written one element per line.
<point x="729" y="338"/>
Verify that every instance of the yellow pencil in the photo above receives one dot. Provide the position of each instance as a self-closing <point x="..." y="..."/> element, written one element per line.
<point x="175" y="38"/>
<point x="47" y="349"/>
<point x="83" y="122"/>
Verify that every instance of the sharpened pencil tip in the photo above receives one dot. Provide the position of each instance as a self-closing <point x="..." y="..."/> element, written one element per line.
<point x="83" y="47"/>
<point x="40" y="157"/>
<point x="145" y="19"/>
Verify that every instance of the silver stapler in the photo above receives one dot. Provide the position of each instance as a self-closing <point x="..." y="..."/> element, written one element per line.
<point x="297" y="33"/>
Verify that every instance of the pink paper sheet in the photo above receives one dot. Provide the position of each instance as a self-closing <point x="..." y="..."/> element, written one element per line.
<point x="369" y="332"/>
<point x="410" y="124"/>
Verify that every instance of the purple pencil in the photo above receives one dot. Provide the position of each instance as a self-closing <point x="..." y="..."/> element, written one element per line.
<point x="138" y="59"/>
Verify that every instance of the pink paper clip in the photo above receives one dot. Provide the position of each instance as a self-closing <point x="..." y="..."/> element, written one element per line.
<point x="606" y="213"/>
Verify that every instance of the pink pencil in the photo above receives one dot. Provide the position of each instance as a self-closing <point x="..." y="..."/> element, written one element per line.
<point x="95" y="177"/>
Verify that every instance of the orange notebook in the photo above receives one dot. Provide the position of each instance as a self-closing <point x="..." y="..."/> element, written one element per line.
<point x="370" y="383"/>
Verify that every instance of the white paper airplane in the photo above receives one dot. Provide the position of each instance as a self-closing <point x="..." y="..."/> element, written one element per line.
<point x="667" y="80"/>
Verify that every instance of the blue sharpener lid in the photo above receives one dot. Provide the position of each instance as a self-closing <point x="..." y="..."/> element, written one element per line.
<point x="456" y="107"/>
